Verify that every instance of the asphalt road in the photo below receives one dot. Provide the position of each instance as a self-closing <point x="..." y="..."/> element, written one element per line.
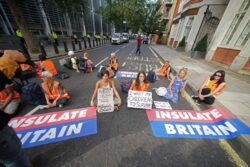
<point x="124" y="137"/>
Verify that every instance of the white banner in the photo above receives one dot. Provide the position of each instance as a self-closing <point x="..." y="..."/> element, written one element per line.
<point x="162" y="105"/>
<point x="105" y="102"/>
<point x="140" y="99"/>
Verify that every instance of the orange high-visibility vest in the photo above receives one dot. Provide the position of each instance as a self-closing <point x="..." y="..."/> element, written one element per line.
<point x="113" y="63"/>
<point x="56" y="91"/>
<point x="4" y="95"/>
<point x="49" y="66"/>
<point x="163" y="70"/>
<point x="141" y="88"/>
<point x="213" y="86"/>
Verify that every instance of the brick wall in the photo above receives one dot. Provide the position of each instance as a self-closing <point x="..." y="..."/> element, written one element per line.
<point x="225" y="56"/>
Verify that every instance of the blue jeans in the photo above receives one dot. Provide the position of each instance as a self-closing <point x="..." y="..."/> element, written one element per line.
<point x="11" y="153"/>
<point x="61" y="101"/>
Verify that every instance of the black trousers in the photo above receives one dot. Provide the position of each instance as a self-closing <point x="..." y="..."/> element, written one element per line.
<point x="138" y="49"/>
<point x="208" y="100"/>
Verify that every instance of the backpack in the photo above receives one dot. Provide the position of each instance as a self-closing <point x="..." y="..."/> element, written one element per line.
<point x="151" y="77"/>
<point x="125" y="85"/>
<point x="101" y="71"/>
<point x="33" y="94"/>
<point x="82" y="65"/>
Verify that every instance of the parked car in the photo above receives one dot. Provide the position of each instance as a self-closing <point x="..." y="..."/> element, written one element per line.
<point x="116" y="38"/>
<point x="125" y="37"/>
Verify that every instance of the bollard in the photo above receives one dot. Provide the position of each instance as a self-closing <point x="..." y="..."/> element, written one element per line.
<point x="84" y="41"/>
<point x="96" y="40"/>
<point x="41" y="45"/>
<point x="89" y="42"/>
<point x="80" y="45"/>
<point x="93" y="42"/>
<point x="102" y="42"/>
<point x="65" y="46"/>
<point x="73" y="45"/>
<point x="55" y="48"/>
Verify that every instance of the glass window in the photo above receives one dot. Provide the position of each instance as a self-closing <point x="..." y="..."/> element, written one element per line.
<point x="236" y="22"/>
<point x="188" y="26"/>
<point x="244" y="36"/>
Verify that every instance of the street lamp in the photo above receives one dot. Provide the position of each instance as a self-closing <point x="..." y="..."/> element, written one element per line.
<point x="124" y="22"/>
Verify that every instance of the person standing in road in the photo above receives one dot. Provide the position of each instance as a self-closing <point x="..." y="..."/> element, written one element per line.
<point x="140" y="83"/>
<point x="177" y="84"/>
<point x="211" y="88"/>
<point x="106" y="83"/>
<point x="138" y="41"/>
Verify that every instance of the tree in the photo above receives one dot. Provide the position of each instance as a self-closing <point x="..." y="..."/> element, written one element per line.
<point x="139" y="14"/>
<point x="22" y="25"/>
<point x="202" y="44"/>
<point x="182" y="43"/>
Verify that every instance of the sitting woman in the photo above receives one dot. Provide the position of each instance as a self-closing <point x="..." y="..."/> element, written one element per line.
<point x="48" y="65"/>
<point x="211" y="88"/>
<point x="9" y="100"/>
<point x="165" y="70"/>
<point x="177" y="84"/>
<point x="106" y="83"/>
<point x="113" y="62"/>
<point x="140" y="83"/>
<point x="85" y="64"/>
<point x="73" y="61"/>
<point x="54" y="92"/>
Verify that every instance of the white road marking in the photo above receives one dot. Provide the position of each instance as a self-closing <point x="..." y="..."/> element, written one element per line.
<point x="101" y="61"/>
<point x="123" y="64"/>
<point x="40" y="107"/>
<point x="155" y="55"/>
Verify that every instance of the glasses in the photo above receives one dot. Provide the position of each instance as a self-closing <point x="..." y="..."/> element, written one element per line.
<point x="218" y="75"/>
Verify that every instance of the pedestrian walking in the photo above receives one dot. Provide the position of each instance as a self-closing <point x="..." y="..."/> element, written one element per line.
<point x="138" y="41"/>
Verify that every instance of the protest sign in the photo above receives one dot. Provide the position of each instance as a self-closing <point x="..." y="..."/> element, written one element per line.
<point x="105" y="100"/>
<point x="214" y="123"/>
<point x="140" y="99"/>
<point x="126" y="74"/>
<point x="40" y="129"/>
<point x="162" y="105"/>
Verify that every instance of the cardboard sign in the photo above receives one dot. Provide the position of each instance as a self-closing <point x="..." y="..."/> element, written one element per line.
<point x="214" y="123"/>
<point x="140" y="99"/>
<point x="40" y="129"/>
<point x="162" y="105"/>
<point x="105" y="100"/>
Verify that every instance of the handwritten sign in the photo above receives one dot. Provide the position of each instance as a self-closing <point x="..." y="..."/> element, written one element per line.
<point x="213" y="123"/>
<point x="140" y="99"/>
<point x="105" y="101"/>
<point x="162" y="105"/>
<point x="40" y="129"/>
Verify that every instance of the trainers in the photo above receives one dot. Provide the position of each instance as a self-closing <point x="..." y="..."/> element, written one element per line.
<point x="197" y="102"/>
<point x="194" y="97"/>
<point x="60" y="106"/>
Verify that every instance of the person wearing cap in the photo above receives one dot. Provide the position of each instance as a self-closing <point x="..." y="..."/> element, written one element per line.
<point x="73" y="60"/>
<point x="55" y="93"/>
<point x="113" y="62"/>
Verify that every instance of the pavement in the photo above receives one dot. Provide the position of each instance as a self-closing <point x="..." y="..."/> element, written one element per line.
<point x="235" y="97"/>
<point x="124" y="137"/>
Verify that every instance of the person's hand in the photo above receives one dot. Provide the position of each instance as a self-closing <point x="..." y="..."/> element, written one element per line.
<point x="119" y="102"/>
<point x="91" y="103"/>
<point x="201" y="97"/>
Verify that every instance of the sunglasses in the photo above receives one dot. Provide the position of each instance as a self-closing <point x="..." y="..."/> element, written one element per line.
<point x="218" y="75"/>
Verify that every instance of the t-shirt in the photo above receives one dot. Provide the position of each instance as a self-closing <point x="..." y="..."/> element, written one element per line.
<point x="4" y="118"/>
<point x="138" y="39"/>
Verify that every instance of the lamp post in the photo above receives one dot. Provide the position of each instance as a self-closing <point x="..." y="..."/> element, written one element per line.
<point x="124" y="22"/>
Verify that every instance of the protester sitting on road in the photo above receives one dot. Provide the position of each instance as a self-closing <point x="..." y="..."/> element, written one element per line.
<point x="85" y="64"/>
<point x="165" y="70"/>
<point x="54" y="92"/>
<point x="211" y="88"/>
<point x="11" y="153"/>
<point x="177" y="84"/>
<point x="106" y="83"/>
<point x="113" y="62"/>
<point x="48" y="65"/>
<point x="73" y="60"/>
<point x="140" y="83"/>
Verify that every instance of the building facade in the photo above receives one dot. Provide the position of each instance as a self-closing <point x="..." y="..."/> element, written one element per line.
<point x="225" y="22"/>
<point x="44" y="16"/>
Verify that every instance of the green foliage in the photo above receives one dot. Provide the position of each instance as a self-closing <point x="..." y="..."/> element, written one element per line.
<point x="202" y="44"/>
<point x="182" y="42"/>
<point x="139" y="14"/>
